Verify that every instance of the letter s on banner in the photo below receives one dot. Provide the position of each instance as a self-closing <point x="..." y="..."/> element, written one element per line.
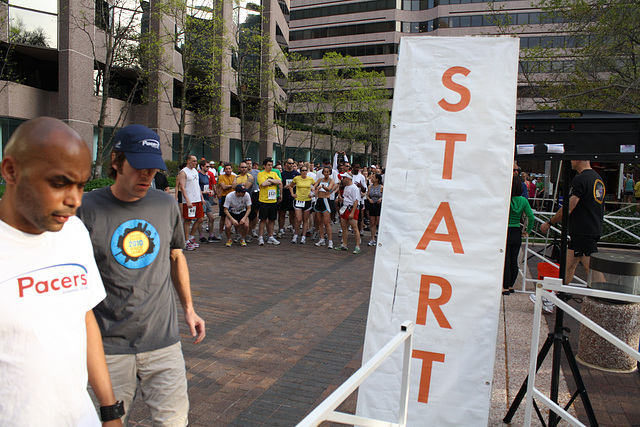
<point x="465" y="94"/>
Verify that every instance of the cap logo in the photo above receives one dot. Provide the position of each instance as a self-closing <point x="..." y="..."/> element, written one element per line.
<point x="118" y="144"/>
<point x="151" y="143"/>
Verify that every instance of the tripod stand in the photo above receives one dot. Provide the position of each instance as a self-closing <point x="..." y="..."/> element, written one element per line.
<point x="558" y="339"/>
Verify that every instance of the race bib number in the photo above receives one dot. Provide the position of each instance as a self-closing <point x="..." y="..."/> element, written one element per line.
<point x="191" y="212"/>
<point x="271" y="195"/>
<point x="206" y="188"/>
<point x="289" y="181"/>
<point x="299" y="204"/>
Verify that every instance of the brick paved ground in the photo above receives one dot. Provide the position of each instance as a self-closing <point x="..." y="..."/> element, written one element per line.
<point x="285" y="327"/>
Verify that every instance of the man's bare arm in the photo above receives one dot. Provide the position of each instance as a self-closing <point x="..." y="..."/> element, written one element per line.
<point x="180" y="278"/>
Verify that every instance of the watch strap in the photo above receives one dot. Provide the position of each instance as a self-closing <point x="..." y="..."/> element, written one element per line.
<point x="112" y="412"/>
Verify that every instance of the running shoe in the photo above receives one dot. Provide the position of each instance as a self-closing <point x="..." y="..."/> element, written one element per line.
<point x="547" y="306"/>
<point x="357" y="250"/>
<point x="281" y="233"/>
<point x="320" y="242"/>
<point x="272" y="241"/>
<point x="188" y="246"/>
<point x="242" y="242"/>
<point x="229" y="243"/>
<point x="248" y="239"/>
<point x="204" y="240"/>
<point x="214" y="239"/>
<point x="371" y="243"/>
<point x="260" y="241"/>
<point x="294" y="239"/>
<point x="237" y="238"/>
<point x="254" y="233"/>
<point x="303" y="240"/>
<point x="194" y="243"/>
<point x="315" y="236"/>
<point x="330" y="244"/>
<point x="340" y="232"/>
<point x="342" y="248"/>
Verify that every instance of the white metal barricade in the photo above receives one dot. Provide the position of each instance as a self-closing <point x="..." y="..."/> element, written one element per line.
<point x="326" y="410"/>
<point x="553" y="284"/>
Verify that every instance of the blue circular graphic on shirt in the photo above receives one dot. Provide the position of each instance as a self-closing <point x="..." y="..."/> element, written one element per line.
<point x="135" y="244"/>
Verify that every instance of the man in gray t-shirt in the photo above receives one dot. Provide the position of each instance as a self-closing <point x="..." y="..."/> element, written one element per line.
<point x="137" y="239"/>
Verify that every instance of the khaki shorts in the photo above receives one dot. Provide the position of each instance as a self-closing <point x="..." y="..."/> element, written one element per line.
<point x="161" y="376"/>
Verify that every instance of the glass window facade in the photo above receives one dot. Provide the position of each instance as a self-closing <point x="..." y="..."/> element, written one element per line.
<point x="362" y="50"/>
<point x="343" y="30"/>
<point x="343" y="9"/>
<point x="34" y="23"/>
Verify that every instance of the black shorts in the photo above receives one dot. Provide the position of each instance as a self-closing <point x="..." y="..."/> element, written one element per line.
<point x="324" y="205"/>
<point x="305" y="207"/>
<point x="237" y="216"/>
<point x="583" y="245"/>
<point x="255" y="205"/>
<point x="268" y="211"/>
<point x="374" y="209"/>
<point x="286" y="204"/>
<point x="221" y="210"/>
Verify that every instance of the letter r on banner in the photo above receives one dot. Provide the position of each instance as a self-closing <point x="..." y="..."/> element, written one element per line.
<point x="424" y="302"/>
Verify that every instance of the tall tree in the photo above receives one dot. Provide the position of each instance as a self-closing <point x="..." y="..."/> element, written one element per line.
<point x="114" y="29"/>
<point x="589" y="60"/>
<point x="198" y="36"/>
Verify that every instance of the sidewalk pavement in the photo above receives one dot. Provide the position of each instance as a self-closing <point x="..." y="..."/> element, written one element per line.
<point x="285" y="327"/>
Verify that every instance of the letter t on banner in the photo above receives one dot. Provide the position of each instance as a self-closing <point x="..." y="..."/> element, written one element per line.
<point x="443" y="227"/>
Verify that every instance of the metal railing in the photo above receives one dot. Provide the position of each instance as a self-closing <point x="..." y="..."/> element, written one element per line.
<point x="553" y="284"/>
<point x="326" y="410"/>
<point x="613" y="218"/>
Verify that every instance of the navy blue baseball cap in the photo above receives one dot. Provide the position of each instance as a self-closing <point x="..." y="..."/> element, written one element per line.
<point x="141" y="147"/>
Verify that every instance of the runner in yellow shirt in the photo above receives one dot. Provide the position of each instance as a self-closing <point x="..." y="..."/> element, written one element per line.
<point x="269" y="183"/>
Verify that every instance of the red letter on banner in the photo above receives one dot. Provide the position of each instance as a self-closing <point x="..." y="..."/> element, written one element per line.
<point x="443" y="212"/>
<point x="425" y="376"/>
<point x="424" y="302"/>
<point x="449" y="145"/>
<point x="465" y="95"/>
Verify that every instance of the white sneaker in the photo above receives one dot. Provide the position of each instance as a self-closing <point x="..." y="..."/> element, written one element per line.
<point x="272" y="241"/>
<point x="260" y="241"/>
<point x="254" y="233"/>
<point x="303" y="240"/>
<point x="547" y="306"/>
<point x="294" y="239"/>
<point x="281" y="233"/>
<point x="330" y="245"/>
<point x="371" y="243"/>
<point x="320" y="242"/>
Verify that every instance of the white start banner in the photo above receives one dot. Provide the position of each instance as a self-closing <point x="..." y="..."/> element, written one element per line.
<point x="440" y="256"/>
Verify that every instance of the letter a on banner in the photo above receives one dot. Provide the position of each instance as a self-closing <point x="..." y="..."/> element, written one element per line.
<point x="443" y="227"/>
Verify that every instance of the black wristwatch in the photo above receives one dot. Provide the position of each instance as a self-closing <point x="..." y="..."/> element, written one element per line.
<point x="112" y="412"/>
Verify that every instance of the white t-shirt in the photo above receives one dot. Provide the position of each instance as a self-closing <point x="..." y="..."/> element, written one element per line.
<point x="192" y="185"/>
<point x="48" y="283"/>
<point x="235" y="204"/>
<point x="362" y="180"/>
<point x="351" y="195"/>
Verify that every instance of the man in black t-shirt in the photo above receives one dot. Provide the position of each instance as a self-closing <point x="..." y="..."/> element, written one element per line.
<point x="286" y="205"/>
<point x="586" y="210"/>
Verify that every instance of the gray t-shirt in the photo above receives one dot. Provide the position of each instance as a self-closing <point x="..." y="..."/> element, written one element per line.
<point x="131" y="244"/>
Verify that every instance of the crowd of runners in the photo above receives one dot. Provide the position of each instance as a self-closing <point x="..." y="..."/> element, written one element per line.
<point x="290" y="197"/>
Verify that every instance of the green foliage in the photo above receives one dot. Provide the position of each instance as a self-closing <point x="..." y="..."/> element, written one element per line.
<point x="592" y="62"/>
<point x="172" y="181"/>
<point x="2" y="187"/>
<point x="172" y="168"/>
<point x="98" y="183"/>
